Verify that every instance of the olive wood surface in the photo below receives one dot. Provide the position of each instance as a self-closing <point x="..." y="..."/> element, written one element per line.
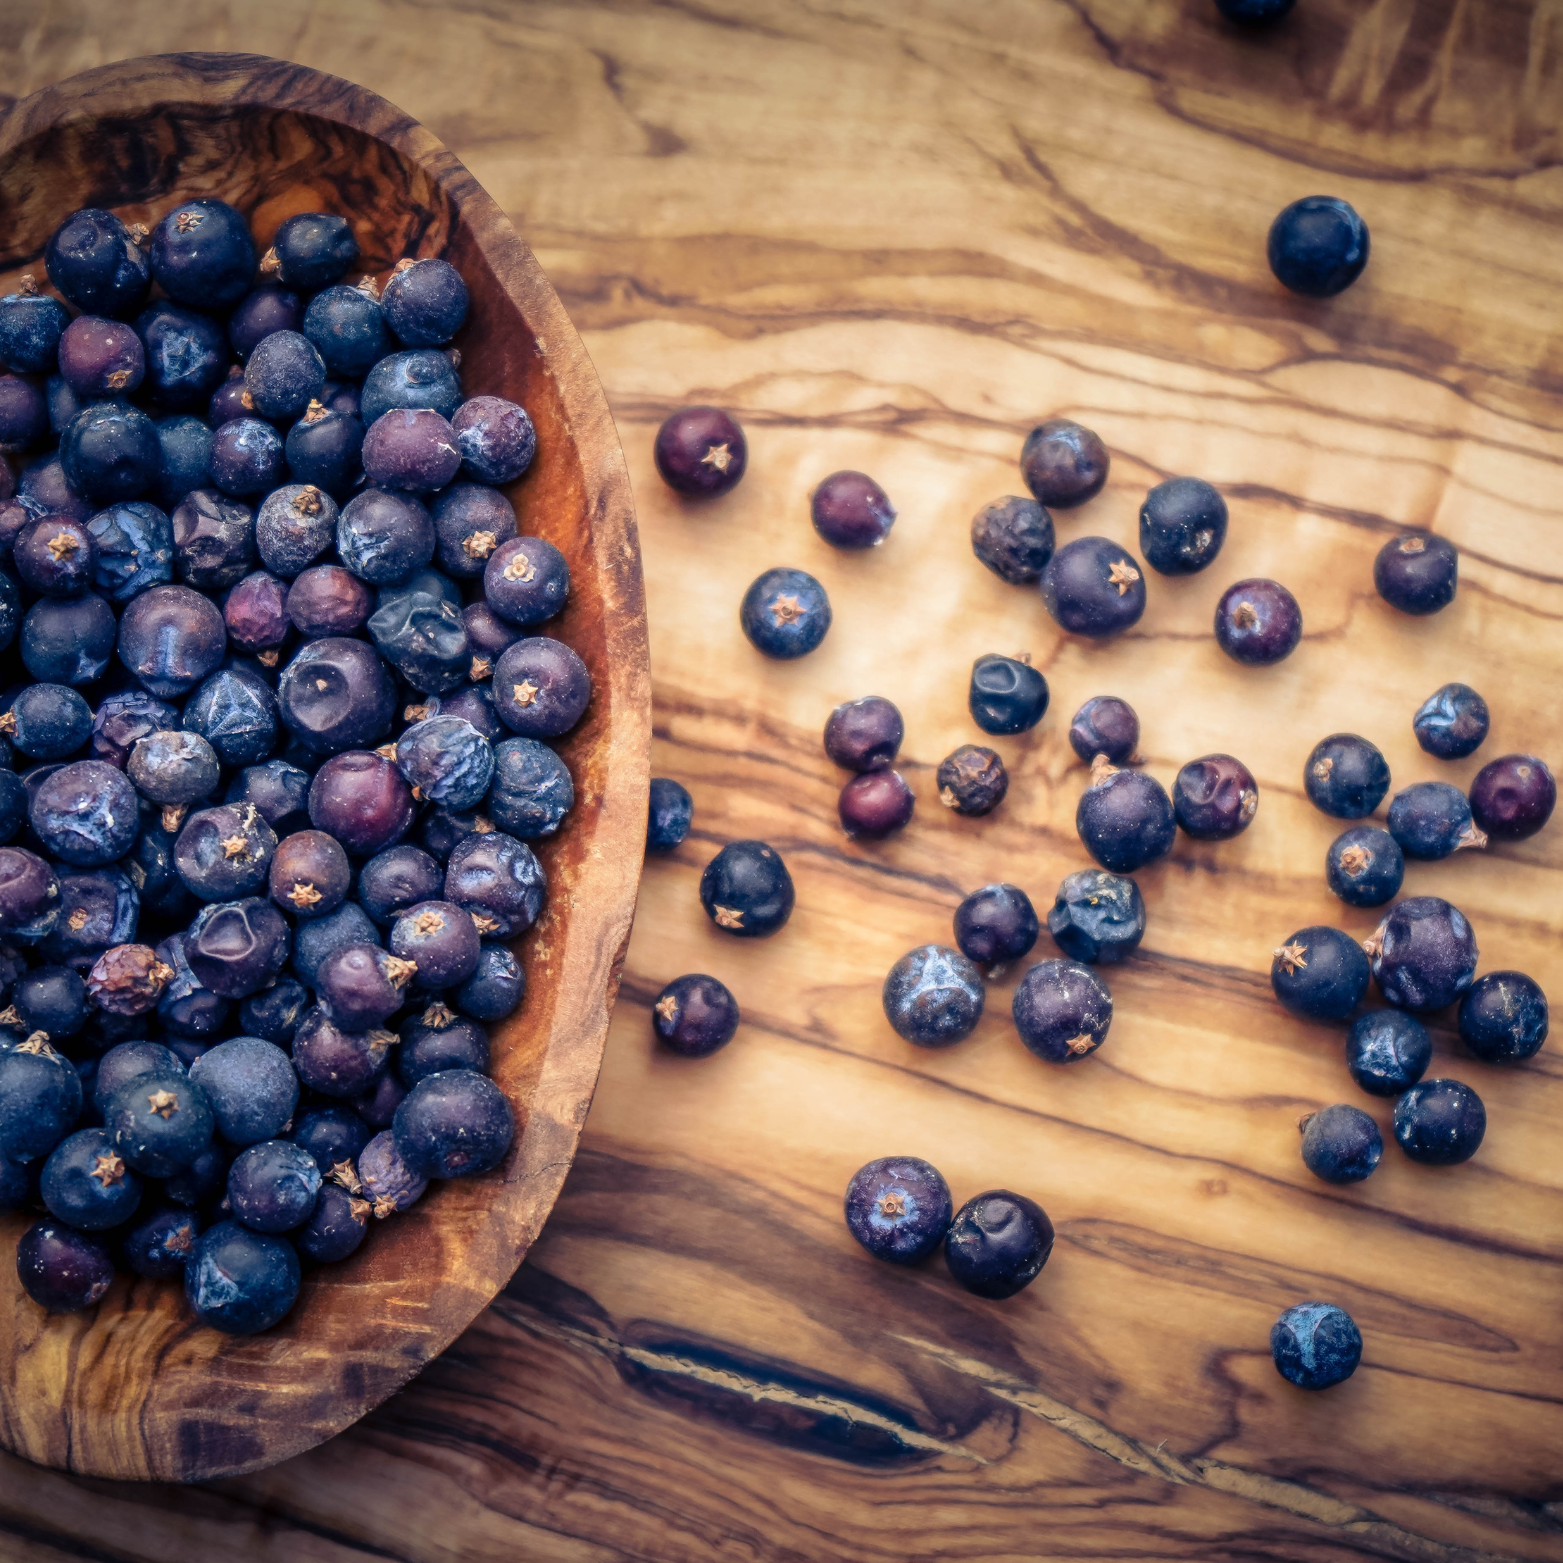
<point x="136" y="1387"/>
<point x="891" y="236"/>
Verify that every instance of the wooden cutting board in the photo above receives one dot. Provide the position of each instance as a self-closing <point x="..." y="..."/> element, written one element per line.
<point x="891" y="237"/>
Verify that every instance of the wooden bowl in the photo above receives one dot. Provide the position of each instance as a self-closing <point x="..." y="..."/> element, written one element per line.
<point x="135" y="1387"/>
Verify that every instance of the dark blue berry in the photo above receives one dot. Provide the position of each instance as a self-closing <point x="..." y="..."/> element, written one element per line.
<point x="186" y="355"/>
<point x="1417" y="574"/>
<point x="532" y="793"/>
<point x="109" y="910"/>
<point x="31" y="324"/>
<point x="384" y="538"/>
<point x="331" y="1134"/>
<point x="279" y="791"/>
<point x="1064" y="463"/>
<point x="251" y="1087"/>
<point x="1183" y="524"/>
<point x="260" y="312"/>
<point x="1346" y="776"/>
<point x="526" y="581"/>
<point x="247" y="457"/>
<point x="1387" y="1051"/>
<point x="1315" y="1345"/>
<point x="24" y="413"/>
<point x="1258" y="622"/>
<point x="1430" y="820"/>
<point x="224" y="853"/>
<point x="92" y="259"/>
<point x="499" y="879"/>
<point x="56" y="556"/>
<point x="933" y="996"/>
<point x="135" y="549"/>
<point x="1318" y="246"/>
<point x="273" y="1014"/>
<point x="160" y="1122"/>
<point x="312" y="250"/>
<point x="995" y="925"/>
<point x="203" y="255"/>
<point x="1451" y="723"/>
<point x="671" y="812"/>
<point x="69" y="642"/>
<point x="127" y="1061"/>
<point x="1320" y="973"/>
<point x="1062" y="1011"/>
<point x="700" y="452"/>
<point x="1440" y="1122"/>
<point x="325" y="449"/>
<point x="425" y="302"/>
<point x="61" y="1269"/>
<point x="440" y="1040"/>
<point x="1424" y="954"/>
<point x="495" y="437"/>
<point x="236" y="712"/>
<point x="454" y="1124"/>
<point x="29" y="898"/>
<point x="1105" y="725"/>
<point x="1097" y="917"/>
<point x="349" y="924"/>
<point x="694" y="1015"/>
<point x="446" y="760"/>
<point x="348" y="330"/>
<point x="239" y="1281"/>
<point x="51" y="999"/>
<point x="746" y="889"/>
<point x="410" y="450"/>
<point x="1513" y="797"/>
<point x="898" y="1208"/>
<point x="284" y="375"/>
<point x="422" y="377"/>
<point x="186" y="446"/>
<point x="1365" y="866"/>
<point x="111" y="451"/>
<point x="397" y="878"/>
<point x="425" y="639"/>
<point x="1503" y="1017"/>
<point x="1215" y="798"/>
<point x="354" y="708"/>
<point x="1014" y="538"/>
<point x="159" y="1243"/>
<point x="335" y="1227"/>
<point x="40" y="1100"/>
<point x="86" y="1183"/>
<point x="236" y="948"/>
<point x="441" y="938"/>
<point x="997" y="1243"/>
<point x="1093" y="587"/>
<point x="1340" y="1144"/>
<point x="541" y="687"/>
<point x="1006" y="695"/>
<point x="86" y="813"/>
<point x="272" y="1186"/>
<point x="470" y="522"/>
<point x="785" y="613"/>
<point x="1125" y="819"/>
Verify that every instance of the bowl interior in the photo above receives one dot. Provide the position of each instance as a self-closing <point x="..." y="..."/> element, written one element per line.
<point x="134" y="1386"/>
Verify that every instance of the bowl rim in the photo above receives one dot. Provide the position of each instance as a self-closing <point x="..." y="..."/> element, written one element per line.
<point x="591" y="951"/>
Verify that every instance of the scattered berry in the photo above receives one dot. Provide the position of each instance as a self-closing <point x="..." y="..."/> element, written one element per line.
<point x="995" y="925"/>
<point x="700" y="452"/>
<point x="1430" y="820"/>
<point x="747" y="890"/>
<point x="1503" y="1017"/>
<point x="1007" y="695"/>
<point x="1215" y="798"/>
<point x="1318" y="246"/>
<point x="1340" y="1144"/>
<point x="1125" y="818"/>
<point x="1014" y="538"/>
<point x="1064" y="463"/>
<point x="1387" y="1051"/>
<point x="972" y="780"/>
<point x="671" y="813"/>
<point x="1418" y="573"/>
<point x="1451" y="723"/>
<point x="1183" y="524"/>
<point x="1424" y="954"/>
<point x="1315" y="1345"/>
<point x="850" y="510"/>
<point x="695" y="1015"/>
<point x="1258" y="622"/>
<point x="876" y="804"/>
<point x="1365" y="866"/>
<point x="933" y="996"/>
<point x="898" y="1208"/>
<point x="864" y="735"/>
<point x="1097" y="917"/>
<point x="1320" y="973"/>
<point x="1107" y="726"/>
<point x="785" y="613"/>
<point x="1346" y="776"/>
<point x="997" y="1243"/>
<point x="1093" y="587"/>
<point x="1513" y="797"/>
<point x="1440" y="1122"/>
<point x="1062" y="1011"/>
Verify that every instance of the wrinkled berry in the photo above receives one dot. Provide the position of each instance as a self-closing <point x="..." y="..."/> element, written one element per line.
<point x="997" y="1243"/>
<point x="1097" y="917"/>
<point x="972" y="780"/>
<point x="1340" y="1144"/>
<point x="1424" y="954"/>
<point x="1014" y="538"/>
<point x="1183" y="524"/>
<point x="933" y="996"/>
<point x="1503" y="1017"/>
<point x="1387" y="1051"/>
<point x="1215" y="798"/>
<point x="1315" y="1345"/>
<point x="1440" y="1122"/>
<point x="1064" y="463"/>
<point x="1452" y="722"/>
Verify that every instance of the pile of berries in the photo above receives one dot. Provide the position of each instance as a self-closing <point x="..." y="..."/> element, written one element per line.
<point x="276" y="735"/>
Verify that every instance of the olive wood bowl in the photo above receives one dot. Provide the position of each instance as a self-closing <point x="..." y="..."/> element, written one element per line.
<point x="135" y="1387"/>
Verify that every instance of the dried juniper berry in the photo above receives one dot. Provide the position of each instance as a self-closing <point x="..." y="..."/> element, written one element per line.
<point x="347" y="327"/>
<point x="1418" y="573"/>
<point x="475" y="704"/>
<point x="332" y="1135"/>
<point x="110" y="451"/>
<point x="96" y="263"/>
<point x="1346" y="776"/>
<point x="1451" y="723"/>
<point x="1440" y="1122"/>
<point x="49" y="721"/>
<point x="311" y="250"/>
<point x="327" y="600"/>
<point x="377" y="1103"/>
<point x="336" y="694"/>
<point x="224" y="853"/>
<point x="62" y="1269"/>
<point x="454" y="1124"/>
<point x="1364" y="866"/>
<point x="933" y="996"/>
<point x="1125" y="819"/>
<point x="1424" y="953"/>
<point x="40" y="1100"/>
<point x="1340" y="1144"/>
<point x="384" y="538"/>
<point x="51" y="999"/>
<point x="998" y="1243"/>
<point x="160" y="1122"/>
<point x="29" y="896"/>
<point x="273" y="1014"/>
<point x="349" y="924"/>
<point x="446" y="760"/>
<point x="260" y="312"/>
<point x="1064" y="463"/>
<point x="98" y="909"/>
<point x="1014" y="538"/>
<point x="173" y="767"/>
<point x="395" y="879"/>
<point x="1320" y="973"/>
<point x="694" y="1015"/>
<point x="256" y="613"/>
<point x="335" y="1227"/>
<point x="972" y="780"/>
<point x="1097" y="917"/>
<point x="68" y="642"/>
<point x="1503" y="1017"/>
<point x="865" y="734"/>
<point x="1387" y="1051"/>
<point x="745" y="889"/>
<point x="309" y="874"/>
<point x="501" y="883"/>
<point x="56" y="557"/>
<point x="439" y="1039"/>
<point x="230" y="400"/>
<point x="24" y="413"/>
<point x="135" y="549"/>
<point x="101" y="357"/>
<point x="495" y="437"/>
<point x="247" y="457"/>
<point x="1513" y="797"/>
<point x="1318" y="246"/>
<point x="850" y="510"/>
<point x="239" y="1281"/>
<point x="186" y="355"/>
<point x="325" y="448"/>
<point x="1254" y="13"/>
<point x="293" y="527"/>
<point x="1215" y="798"/>
<point x="86" y="814"/>
<point x="668" y="818"/>
<point x="424" y="638"/>
<point x="425" y="302"/>
<point x="441" y="939"/>
<point x="1007" y="695"/>
<point x="996" y="925"/>
<point x="410" y="449"/>
<point x="185" y="443"/>
<point x="362" y="800"/>
<point x="1062" y="1011"/>
<point x="898" y="1208"/>
<point x="31" y="325"/>
<point x="44" y="489"/>
<point x="272" y="1186"/>
<point x="86" y="1183"/>
<point x="876" y="804"/>
<point x="251" y="1086"/>
<point x="279" y="790"/>
<point x="203" y="255"/>
<point x="470" y="522"/>
<point x="700" y="452"/>
<point x="541" y="687"/>
<point x="420" y="377"/>
<point x="1258" y="622"/>
<point x="785" y="613"/>
<point x="1430" y="820"/>
<point x="160" y="1241"/>
<point x="1105" y="725"/>
<point x="333" y="1060"/>
<point x="526" y="581"/>
<point x="1315" y="1345"/>
<point x="236" y="948"/>
<point x="1183" y="524"/>
<point x="1093" y="587"/>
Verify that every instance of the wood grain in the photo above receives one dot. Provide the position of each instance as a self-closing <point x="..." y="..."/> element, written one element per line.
<point x="136" y="1387"/>
<point x="891" y="238"/>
